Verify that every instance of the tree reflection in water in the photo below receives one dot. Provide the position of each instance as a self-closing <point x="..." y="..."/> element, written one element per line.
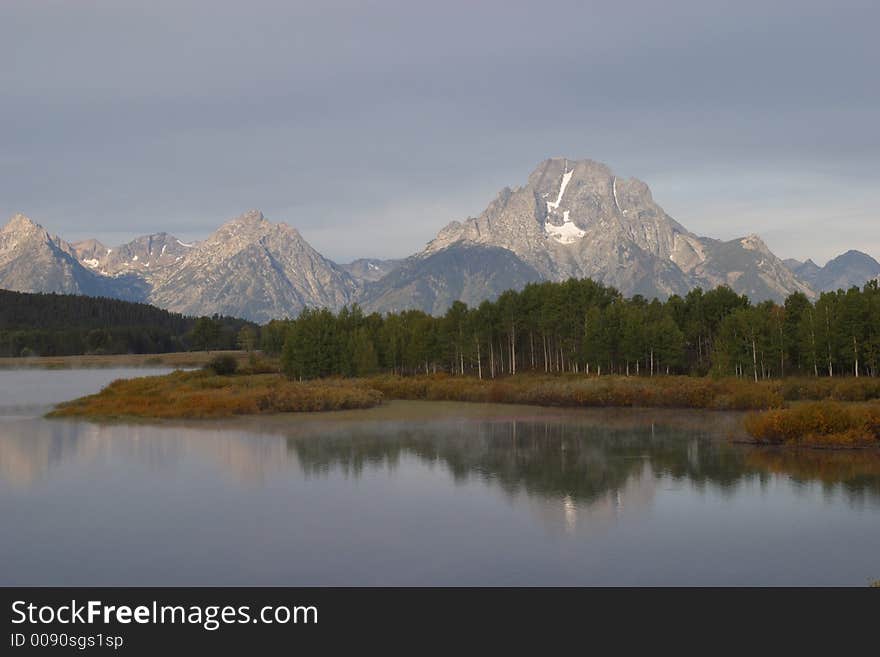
<point x="575" y="458"/>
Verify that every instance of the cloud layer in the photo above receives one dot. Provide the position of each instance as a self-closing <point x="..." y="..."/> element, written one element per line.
<point x="369" y="125"/>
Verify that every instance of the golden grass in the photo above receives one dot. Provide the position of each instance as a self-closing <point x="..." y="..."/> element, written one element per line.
<point x="573" y="390"/>
<point x="841" y="389"/>
<point x="818" y="424"/>
<point x="257" y="388"/>
<point x="202" y="394"/>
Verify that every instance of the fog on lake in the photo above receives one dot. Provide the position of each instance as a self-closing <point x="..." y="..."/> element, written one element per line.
<point x="421" y="493"/>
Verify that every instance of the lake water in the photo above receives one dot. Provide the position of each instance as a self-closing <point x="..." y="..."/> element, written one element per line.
<point x="421" y="494"/>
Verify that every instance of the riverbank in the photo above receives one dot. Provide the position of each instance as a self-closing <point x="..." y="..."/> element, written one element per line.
<point x="203" y="394"/>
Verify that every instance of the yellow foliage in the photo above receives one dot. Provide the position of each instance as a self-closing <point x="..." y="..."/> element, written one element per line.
<point x="818" y="424"/>
<point x="257" y="389"/>
<point x="574" y="390"/>
<point x="204" y="395"/>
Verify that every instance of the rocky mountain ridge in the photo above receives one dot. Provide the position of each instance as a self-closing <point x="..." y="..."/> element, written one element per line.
<point x="578" y="219"/>
<point x="570" y="219"/>
<point x="33" y="260"/>
<point x="255" y="269"/>
<point x="842" y="272"/>
<point x="146" y="255"/>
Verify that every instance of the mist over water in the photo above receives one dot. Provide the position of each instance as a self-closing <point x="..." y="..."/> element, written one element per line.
<point x="421" y="493"/>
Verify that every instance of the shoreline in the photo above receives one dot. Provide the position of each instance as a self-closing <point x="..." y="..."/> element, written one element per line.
<point x="813" y="447"/>
<point x="829" y="423"/>
<point x="202" y="393"/>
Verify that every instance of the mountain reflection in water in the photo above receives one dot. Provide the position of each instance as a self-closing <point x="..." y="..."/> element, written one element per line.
<point x="420" y="493"/>
<point x="569" y="460"/>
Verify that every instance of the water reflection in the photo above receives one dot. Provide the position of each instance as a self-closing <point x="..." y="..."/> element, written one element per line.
<point x="577" y="460"/>
<point x="416" y="493"/>
<point x="30" y="449"/>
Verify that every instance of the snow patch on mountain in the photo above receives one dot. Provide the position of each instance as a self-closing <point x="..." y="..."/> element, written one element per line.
<point x="567" y="233"/>
<point x="566" y="178"/>
<point x="614" y="190"/>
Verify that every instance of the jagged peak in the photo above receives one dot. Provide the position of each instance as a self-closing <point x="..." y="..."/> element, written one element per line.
<point x="251" y="216"/>
<point x="754" y="243"/>
<point x="19" y="222"/>
<point x="155" y="237"/>
<point x="592" y="172"/>
<point x="250" y="222"/>
<point x="563" y="165"/>
<point x="570" y="163"/>
<point x="245" y="231"/>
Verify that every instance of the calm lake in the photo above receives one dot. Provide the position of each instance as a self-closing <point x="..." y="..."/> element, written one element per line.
<point x="417" y="493"/>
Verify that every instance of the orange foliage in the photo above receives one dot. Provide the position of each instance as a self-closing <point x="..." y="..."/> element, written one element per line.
<point x="574" y="390"/>
<point x="818" y="424"/>
<point x="258" y="389"/>
<point x="204" y="395"/>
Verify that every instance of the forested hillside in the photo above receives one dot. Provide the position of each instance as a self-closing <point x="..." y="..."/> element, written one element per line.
<point x="62" y="325"/>
<point x="580" y="326"/>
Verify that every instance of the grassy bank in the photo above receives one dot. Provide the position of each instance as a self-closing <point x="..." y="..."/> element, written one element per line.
<point x="610" y="391"/>
<point x="574" y="390"/>
<point x="828" y="424"/>
<point x="202" y="394"/>
<point x="255" y="388"/>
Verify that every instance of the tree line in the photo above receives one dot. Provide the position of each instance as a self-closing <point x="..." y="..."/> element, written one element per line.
<point x="580" y="326"/>
<point x="65" y="325"/>
<point x="577" y="326"/>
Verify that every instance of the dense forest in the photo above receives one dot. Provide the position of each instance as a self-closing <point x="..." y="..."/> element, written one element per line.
<point x="580" y="326"/>
<point x="64" y="325"/>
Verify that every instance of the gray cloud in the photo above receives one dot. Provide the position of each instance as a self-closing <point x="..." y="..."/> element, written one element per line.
<point x="369" y="125"/>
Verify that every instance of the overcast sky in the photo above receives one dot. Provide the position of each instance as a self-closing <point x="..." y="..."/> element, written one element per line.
<point x="370" y="125"/>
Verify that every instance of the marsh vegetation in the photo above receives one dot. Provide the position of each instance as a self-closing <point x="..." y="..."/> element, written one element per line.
<point x="255" y="388"/>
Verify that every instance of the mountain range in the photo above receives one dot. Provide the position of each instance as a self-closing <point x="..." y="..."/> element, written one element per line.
<point x="844" y="271"/>
<point x="572" y="218"/>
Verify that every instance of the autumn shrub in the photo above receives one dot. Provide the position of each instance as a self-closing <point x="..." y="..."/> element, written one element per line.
<point x="574" y="390"/>
<point x="827" y="423"/>
<point x="744" y="396"/>
<point x="607" y="391"/>
<point x="685" y="392"/>
<point x="856" y="389"/>
<point x="202" y="394"/>
<point x="804" y="389"/>
<point x="257" y="387"/>
<point x="840" y="389"/>
<point x="223" y="365"/>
